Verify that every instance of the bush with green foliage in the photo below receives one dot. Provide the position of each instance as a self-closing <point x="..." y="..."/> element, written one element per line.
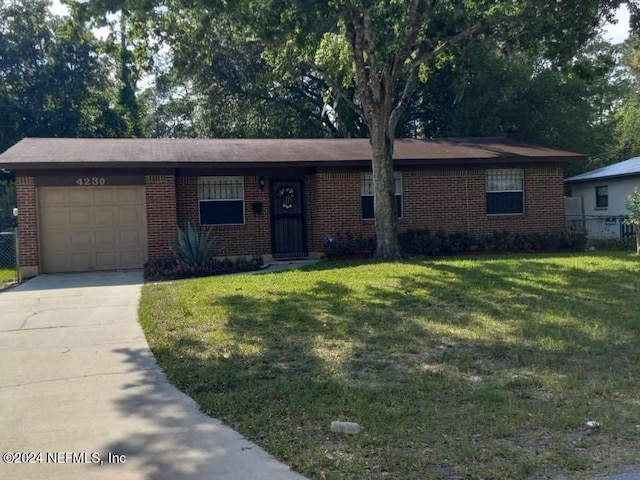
<point x="633" y="211"/>
<point x="424" y="242"/>
<point x="175" y="269"/>
<point x="348" y="244"/>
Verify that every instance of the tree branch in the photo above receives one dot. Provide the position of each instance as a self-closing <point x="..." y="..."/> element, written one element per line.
<point x="427" y="52"/>
<point x="369" y="46"/>
<point x="405" y="99"/>
<point x="417" y="14"/>
<point x="355" y="37"/>
<point x="349" y="101"/>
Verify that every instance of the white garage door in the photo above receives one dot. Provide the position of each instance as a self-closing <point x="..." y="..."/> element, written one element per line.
<point x="91" y="228"/>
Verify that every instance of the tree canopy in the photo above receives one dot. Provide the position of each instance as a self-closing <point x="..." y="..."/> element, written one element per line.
<point x="373" y="55"/>
<point x="54" y="80"/>
<point x="534" y="70"/>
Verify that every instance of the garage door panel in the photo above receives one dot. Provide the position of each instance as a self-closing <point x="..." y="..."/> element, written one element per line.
<point x="129" y="237"/>
<point x="82" y="261"/>
<point x="129" y="216"/>
<point x="79" y="217"/>
<point x="107" y="260"/>
<point x="104" y="196"/>
<point x="106" y="238"/>
<point x="131" y="259"/>
<point x="104" y="215"/>
<point x="129" y="196"/>
<point x="55" y="262"/>
<point x="53" y="197"/>
<point x="53" y="218"/>
<point x="55" y="242"/>
<point x="92" y="228"/>
<point x="79" y="196"/>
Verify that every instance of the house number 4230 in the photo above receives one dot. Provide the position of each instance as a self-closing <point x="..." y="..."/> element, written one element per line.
<point x="90" y="181"/>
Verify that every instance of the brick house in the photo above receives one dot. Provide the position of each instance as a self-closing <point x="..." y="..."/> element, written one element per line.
<point x="91" y="204"/>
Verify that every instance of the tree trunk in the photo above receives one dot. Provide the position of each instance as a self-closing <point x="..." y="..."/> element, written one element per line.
<point x="384" y="193"/>
<point x="637" y="227"/>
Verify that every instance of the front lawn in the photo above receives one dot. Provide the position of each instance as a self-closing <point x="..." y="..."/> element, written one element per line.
<point x="476" y="367"/>
<point x="7" y="275"/>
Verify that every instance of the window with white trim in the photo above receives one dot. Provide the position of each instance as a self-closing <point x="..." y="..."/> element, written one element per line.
<point x="221" y="200"/>
<point x="366" y="185"/>
<point x="505" y="191"/>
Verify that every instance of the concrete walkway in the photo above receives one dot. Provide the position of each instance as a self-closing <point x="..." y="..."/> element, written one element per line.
<point x="77" y="375"/>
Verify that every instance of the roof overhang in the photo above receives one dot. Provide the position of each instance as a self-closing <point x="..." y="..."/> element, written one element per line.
<point x="599" y="179"/>
<point x="21" y="166"/>
<point x="86" y="153"/>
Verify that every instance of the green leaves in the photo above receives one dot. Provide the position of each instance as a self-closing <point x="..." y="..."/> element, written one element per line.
<point x="54" y="79"/>
<point x="193" y="247"/>
<point x="334" y="57"/>
<point x="633" y="209"/>
<point x="633" y="212"/>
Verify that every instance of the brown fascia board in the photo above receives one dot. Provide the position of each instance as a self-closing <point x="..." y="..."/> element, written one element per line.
<point x="53" y="166"/>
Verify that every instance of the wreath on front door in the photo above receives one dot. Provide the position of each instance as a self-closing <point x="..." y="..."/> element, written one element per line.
<point x="287" y="194"/>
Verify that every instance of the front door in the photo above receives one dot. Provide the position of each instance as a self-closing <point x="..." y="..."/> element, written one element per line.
<point x="288" y="232"/>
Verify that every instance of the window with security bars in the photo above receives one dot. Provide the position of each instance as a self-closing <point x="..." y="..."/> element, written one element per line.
<point x="505" y="191"/>
<point x="366" y="182"/>
<point x="221" y="200"/>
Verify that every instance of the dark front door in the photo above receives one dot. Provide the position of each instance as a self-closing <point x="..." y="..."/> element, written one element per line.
<point x="288" y="232"/>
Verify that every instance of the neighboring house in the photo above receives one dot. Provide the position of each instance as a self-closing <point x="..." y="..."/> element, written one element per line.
<point x="88" y="204"/>
<point x="599" y="198"/>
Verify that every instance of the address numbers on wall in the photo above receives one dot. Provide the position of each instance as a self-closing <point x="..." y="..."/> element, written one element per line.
<point x="90" y="181"/>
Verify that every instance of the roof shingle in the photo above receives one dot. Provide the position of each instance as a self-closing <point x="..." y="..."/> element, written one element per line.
<point x="95" y="151"/>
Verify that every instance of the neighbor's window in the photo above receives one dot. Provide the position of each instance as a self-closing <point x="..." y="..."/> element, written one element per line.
<point x="366" y="181"/>
<point x="602" y="197"/>
<point x="221" y="200"/>
<point x="505" y="191"/>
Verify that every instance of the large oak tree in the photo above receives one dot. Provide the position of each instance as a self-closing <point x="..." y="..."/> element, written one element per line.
<point x="373" y="54"/>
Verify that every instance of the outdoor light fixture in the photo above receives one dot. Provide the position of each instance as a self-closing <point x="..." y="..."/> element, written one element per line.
<point x="261" y="182"/>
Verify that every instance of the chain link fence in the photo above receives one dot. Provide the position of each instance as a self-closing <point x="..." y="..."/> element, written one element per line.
<point x="602" y="227"/>
<point x="8" y="258"/>
<point x="8" y="238"/>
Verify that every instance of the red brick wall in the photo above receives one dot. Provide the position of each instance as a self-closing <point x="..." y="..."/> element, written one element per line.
<point x="437" y="198"/>
<point x="160" y="198"/>
<point x="311" y="196"/>
<point x="27" y="221"/>
<point x="337" y="207"/>
<point x="252" y="238"/>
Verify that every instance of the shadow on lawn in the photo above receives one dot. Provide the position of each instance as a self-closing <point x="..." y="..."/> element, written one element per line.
<point x="517" y="354"/>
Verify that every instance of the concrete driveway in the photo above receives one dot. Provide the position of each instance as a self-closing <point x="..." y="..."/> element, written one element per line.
<point x="77" y="376"/>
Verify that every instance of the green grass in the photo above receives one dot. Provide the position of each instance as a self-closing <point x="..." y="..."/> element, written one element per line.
<point x="476" y="367"/>
<point x="7" y="276"/>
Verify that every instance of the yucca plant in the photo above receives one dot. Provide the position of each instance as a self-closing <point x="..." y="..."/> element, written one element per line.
<point x="193" y="247"/>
